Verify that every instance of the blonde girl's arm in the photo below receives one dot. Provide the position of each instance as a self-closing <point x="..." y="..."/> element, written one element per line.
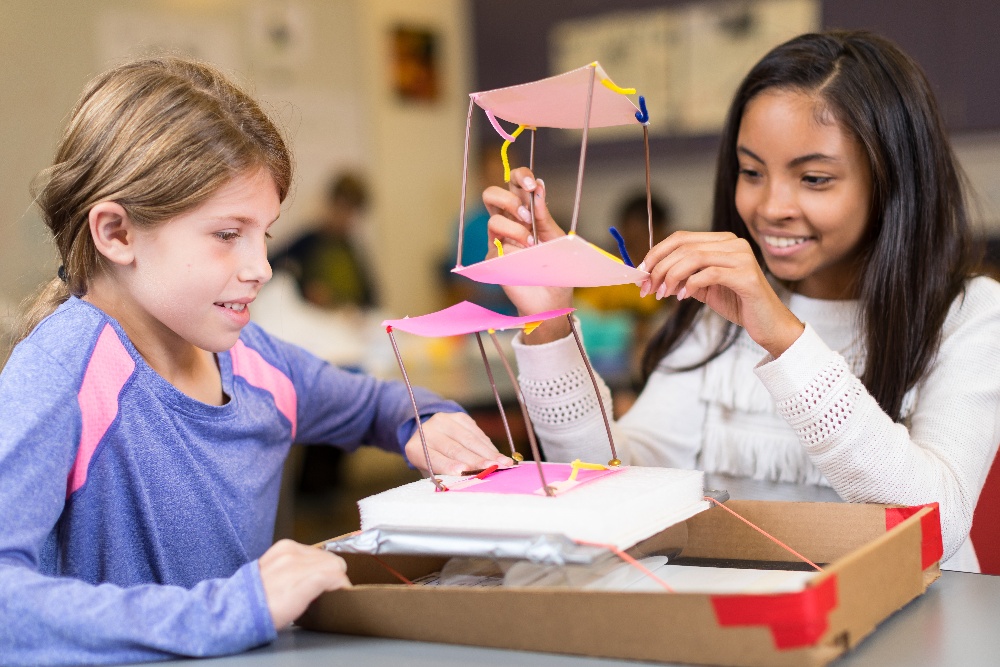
<point x="944" y="454"/>
<point x="48" y="617"/>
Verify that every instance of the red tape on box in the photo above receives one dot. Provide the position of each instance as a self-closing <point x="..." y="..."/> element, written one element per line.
<point x="795" y="619"/>
<point x="931" y="543"/>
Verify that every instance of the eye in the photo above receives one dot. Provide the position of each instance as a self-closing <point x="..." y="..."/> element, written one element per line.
<point x="748" y="172"/>
<point x="267" y="235"/>
<point x="227" y="235"/>
<point x="816" y="181"/>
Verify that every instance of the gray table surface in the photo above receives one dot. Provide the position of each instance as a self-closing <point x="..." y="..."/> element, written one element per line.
<point x="956" y="622"/>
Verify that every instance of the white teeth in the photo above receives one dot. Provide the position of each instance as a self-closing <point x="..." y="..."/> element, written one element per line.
<point x="238" y="307"/>
<point x="784" y="241"/>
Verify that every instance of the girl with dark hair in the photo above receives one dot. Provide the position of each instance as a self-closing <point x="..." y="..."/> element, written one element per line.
<point x="845" y="341"/>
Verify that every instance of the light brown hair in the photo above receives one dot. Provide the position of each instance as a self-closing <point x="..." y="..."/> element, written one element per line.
<point x="158" y="136"/>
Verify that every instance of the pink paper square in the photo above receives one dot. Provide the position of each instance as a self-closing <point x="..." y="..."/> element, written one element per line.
<point x="523" y="479"/>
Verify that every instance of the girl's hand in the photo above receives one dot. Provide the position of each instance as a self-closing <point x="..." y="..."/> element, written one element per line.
<point x="294" y="575"/>
<point x="455" y="444"/>
<point x="720" y="270"/>
<point x="510" y="221"/>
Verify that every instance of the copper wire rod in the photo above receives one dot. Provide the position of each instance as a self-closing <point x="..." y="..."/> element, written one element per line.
<point x="583" y="151"/>
<point x="413" y="401"/>
<point x="535" y="452"/>
<point x="496" y="394"/>
<point x="531" y="197"/>
<point x="649" y="194"/>
<point x="593" y="378"/>
<point x="465" y="183"/>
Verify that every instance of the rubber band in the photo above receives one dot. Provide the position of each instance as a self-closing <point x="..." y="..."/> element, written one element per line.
<point x="643" y="115"/>
<point x="621" y="247"/>
<point x="766" y="534"/>
<point x="496" y="126"/>
<point x="503" y="152"/>
<point x="499" y="246"/>
<point x="610" y="85"/>
<point x="392" y="571"/>
<point x="630" y="560"/>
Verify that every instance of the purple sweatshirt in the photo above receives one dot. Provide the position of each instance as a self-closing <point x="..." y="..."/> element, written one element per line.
<point x="131" y="515"/>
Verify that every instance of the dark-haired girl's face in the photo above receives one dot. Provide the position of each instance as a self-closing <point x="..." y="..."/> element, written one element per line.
<point x="804" y="192"/>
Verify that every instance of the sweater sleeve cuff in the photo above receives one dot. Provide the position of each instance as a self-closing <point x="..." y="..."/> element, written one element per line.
<point x="547" y="360"/>
<point x="263" y="623"/>
<point x="796" y="367"/>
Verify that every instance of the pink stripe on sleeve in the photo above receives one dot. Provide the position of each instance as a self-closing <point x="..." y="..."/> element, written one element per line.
<point x="110" y="366"/>
<point x="248" y="364"/>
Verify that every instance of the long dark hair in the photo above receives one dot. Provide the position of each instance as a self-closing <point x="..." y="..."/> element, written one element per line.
<point x="917" y="250"/>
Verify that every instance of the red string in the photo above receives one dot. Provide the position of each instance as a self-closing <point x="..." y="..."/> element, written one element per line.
<point x="631" y="561"/>
<point x="639" y="566"/>
<point x="394" y="572"/>
<point x="766" y="534"/>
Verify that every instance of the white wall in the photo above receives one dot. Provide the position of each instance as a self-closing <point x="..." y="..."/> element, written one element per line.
<point x="329" y="88"/>
<point x="331" y="91"/>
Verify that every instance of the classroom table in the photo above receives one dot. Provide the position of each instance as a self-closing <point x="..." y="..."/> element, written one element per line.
<point x="953" y="623"/>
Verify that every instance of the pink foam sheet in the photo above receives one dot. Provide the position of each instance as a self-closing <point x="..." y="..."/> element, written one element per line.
<point x="524" y="480"/>
<point x="568" y="261"/>
<point x="560" y="101"/>
<point x="465" y="318"/>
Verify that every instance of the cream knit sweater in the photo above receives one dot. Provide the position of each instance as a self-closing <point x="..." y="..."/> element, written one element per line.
<point x="804" y="417"/>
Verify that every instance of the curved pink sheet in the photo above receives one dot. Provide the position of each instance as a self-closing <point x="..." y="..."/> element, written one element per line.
<point x="560" y="101"/>
<point x="568" y="261"/>
<point x="466" y="318"/>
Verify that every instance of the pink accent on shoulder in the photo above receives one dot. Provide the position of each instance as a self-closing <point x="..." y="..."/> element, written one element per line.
<point x="110" y="366"/>
<point x="248" y="364"/>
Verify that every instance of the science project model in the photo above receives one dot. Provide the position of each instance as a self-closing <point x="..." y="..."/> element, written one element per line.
<point x="610" y="503"/>
<point x="544" y="532"/>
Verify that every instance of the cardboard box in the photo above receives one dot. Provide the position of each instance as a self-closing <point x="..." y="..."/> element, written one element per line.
<point x="875" y="558"/>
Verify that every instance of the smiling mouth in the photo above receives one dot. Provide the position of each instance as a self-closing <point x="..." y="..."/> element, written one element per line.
<point x="785" y="241"/>
<point x="238" y="307"/>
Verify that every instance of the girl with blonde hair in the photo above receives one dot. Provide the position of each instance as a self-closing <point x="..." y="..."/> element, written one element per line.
<point x="144" y="419"/>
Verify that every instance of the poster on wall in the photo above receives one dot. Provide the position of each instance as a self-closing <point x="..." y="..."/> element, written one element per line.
<point x="687" y="60"/>
<point x="415" y="75"/>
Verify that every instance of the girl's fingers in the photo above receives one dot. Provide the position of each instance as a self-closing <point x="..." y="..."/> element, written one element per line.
<point x="693" y="254"/>
<point x="680" y="239"/>
<point x="455" y="443"/>
<point x="500" y="201"/>
<point x="546" y="227"/>
<point x="507" y="230"/>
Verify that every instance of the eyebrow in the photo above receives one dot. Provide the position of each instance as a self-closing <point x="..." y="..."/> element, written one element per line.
<point x="249" y="222"/>
<point x="810" y="157"/>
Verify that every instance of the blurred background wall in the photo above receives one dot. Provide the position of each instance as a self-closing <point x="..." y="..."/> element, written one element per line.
<point x="323" y="67"/>
<point x="328" y="71"/>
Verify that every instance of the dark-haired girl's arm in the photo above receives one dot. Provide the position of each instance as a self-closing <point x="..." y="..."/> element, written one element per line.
<point x="510" y="223"/>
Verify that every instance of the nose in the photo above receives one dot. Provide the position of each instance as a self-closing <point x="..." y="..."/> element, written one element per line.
<point x="255" y="267"/>
<point x="779" y="202"/>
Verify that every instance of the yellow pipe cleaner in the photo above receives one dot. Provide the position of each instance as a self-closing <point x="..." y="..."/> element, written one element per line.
<point x="609" y="84"/>
<point x="503" y="153"/>
<point x="579" y="465"/>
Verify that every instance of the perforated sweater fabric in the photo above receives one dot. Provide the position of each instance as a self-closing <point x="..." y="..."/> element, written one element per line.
<point x="804" y="417"/>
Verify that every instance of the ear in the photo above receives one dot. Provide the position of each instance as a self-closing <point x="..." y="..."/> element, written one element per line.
<point x="113" y="232"/>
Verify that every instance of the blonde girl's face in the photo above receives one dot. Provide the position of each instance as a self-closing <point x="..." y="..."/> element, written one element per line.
<point x="195" y="276"/>
<point x="804" y="192"/>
